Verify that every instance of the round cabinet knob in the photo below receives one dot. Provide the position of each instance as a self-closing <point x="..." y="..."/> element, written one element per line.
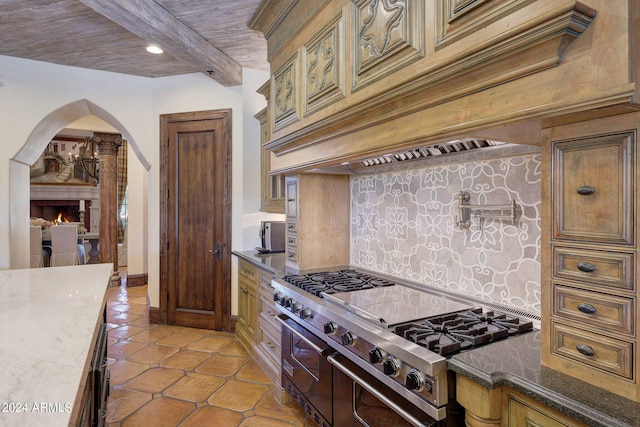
<point x="305" y="313"/>
<point x="330" y="327"/>
<point x="391" y="366"/>
<point x="414" y="380"/>
<point x="277" y="297"/>
<point x="349" y="338"/>
<point x="376" y="355"/>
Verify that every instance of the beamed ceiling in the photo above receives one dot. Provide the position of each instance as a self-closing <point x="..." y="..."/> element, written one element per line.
<point x="208" y="36"/>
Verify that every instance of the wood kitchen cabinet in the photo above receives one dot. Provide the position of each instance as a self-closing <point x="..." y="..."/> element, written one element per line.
<point x="271" y="186"/>
<point x="589" y="254"/>
<point x="268" y="341"/>
<point x="247" y="300"/>
<point x="317" y="215"/>
<point x="257" y="327"/>
<point x="505" y="407"/>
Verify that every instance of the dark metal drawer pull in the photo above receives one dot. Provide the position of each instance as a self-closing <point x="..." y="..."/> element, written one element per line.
<point x="586" y="267"/>
<point x="585" y="350"/>
<point x="586" y="308"/>
<point x="586" y="190"/>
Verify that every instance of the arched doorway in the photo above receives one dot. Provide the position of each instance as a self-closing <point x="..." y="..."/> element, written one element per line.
<point x="19" y="168"/>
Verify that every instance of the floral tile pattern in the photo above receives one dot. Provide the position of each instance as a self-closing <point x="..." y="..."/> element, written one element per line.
<point x="403" y="224"/>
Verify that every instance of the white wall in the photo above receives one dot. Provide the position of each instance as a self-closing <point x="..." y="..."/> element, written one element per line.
<point x="38" y="99"/>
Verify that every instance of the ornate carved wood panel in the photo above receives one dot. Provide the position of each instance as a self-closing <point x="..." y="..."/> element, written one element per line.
<point x="324" y="67"/>
<point x="285" y="94"/>
<point x="387" y="35"/>
<point x="458" y="18"/>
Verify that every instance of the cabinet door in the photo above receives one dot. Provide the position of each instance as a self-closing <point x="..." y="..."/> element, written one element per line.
<point x="242" y="305"/>
<point x="521" y="414"/>
<point x="292" y="198"/>
<point x="593" y="189"/>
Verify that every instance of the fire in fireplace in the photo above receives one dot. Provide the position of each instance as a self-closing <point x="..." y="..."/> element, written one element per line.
<point x="66" y="210"/>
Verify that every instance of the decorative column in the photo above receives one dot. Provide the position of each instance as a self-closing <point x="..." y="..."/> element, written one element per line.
<point x="108" y="144"/>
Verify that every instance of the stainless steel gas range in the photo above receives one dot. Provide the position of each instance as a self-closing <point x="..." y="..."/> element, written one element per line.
<point x="360" y="349"/>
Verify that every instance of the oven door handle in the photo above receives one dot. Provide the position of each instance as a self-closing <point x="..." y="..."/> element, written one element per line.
<point x="321" y="351"/>
<point x="400" y="411"/>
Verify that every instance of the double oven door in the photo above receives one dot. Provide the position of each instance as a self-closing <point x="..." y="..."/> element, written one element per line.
<point x="334" y="391"/>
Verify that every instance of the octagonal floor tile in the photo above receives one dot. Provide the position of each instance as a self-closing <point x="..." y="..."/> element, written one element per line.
<point x="253" y="372"/>
<point x="161" y="412"/>
<point x="210" y="343"/>
<point x="123" y="402"/>
<point x="186" y="360"/>
<point x="194" y="387"/>
<point x="222" y="366"/>
<point x="179" y="339"/>
<point x="152" y="354"/>
<point x="123" y="370"/>
<point x="210" y="415"/>
<point x="238" y="395"/>
<point x="155" y="380"/>
<point x="122" y="349"/>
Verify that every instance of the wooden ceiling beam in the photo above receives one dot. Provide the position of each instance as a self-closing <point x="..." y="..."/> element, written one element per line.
<point x="150" y="21"/>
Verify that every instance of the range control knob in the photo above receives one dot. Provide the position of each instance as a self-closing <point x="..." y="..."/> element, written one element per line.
<point x="296" y="307"/>
<point x="414" y="380"/>
<point x="306" y="313"/>
<point x="391" y="366"/>
<point x="330" y="327"/>
<point x="376" y="355"/>
<point x="286" y="302"/>
<point x="278" y="296"/>
<point x="349" y="338"/>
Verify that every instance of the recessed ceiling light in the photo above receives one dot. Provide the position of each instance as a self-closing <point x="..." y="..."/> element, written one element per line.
<point x="154" y="49"/>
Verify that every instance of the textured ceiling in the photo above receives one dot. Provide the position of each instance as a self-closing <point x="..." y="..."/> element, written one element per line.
<point x="209" y="36"/>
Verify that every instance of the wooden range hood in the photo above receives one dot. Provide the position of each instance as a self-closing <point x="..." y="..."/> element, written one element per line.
<point x="499" y="70"/>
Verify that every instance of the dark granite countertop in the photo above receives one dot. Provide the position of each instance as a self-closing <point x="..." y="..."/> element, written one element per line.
<point x="275" y="262"/>
<point x="515" y="363"/>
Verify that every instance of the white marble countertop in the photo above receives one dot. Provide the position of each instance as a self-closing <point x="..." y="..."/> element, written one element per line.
<point x="48" y="317"/>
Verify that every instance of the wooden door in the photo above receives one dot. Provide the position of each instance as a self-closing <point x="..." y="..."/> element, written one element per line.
<point x="196" y="220"/>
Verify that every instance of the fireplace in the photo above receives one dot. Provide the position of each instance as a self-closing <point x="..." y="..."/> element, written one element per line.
<point x="68" y="210"/>
<point x="49" y="201"/>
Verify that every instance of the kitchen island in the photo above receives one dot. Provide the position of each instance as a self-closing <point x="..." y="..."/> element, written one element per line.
<point x="514" y="365"/>
<point x="50" y="324"/>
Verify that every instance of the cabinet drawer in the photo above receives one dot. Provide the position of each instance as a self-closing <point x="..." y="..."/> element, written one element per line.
<point x="292" y="228"/>
<point x="270" y="341"/>
<point x="593" y="190"/>
<point x="292" y="253"/>
<point x="530" y="414"/>
<point x="595" y="309"/>
<point x="292" y="240"/>
<point x="598" y="351"/>
<point x="247" y="270"/>
<point x="610" y="269"/>
<point x="267" y="306"/>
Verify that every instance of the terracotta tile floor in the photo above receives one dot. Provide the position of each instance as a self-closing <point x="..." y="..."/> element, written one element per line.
<point x="174" y="376"/>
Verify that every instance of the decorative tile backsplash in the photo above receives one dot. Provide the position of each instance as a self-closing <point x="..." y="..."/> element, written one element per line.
<point x="403" y="224"/>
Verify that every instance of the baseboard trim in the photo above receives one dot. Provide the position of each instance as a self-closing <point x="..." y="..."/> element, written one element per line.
<point x="137" y="280"/>
<point x="154" y="315"/>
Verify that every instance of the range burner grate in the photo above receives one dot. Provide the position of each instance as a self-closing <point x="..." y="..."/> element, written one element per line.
<point x="333" y="282"/>
<point x="452" y="333"/>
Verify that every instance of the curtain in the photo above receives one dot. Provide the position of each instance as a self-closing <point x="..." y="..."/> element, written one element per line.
<point x="122" y="185"/>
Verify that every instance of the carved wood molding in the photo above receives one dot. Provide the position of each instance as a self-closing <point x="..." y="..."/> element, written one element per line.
<point x="285" y="94"/>
<point x="456" y="19"/>
<point x="535" y="49"/>
<point x="388" y="35"/>
<point x="324" y="67"/>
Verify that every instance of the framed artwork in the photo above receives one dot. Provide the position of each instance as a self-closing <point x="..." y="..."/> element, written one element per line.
<point x="67" y="161"/>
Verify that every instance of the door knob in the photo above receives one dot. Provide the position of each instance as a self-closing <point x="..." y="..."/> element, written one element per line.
<point x="218" y="251"/>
